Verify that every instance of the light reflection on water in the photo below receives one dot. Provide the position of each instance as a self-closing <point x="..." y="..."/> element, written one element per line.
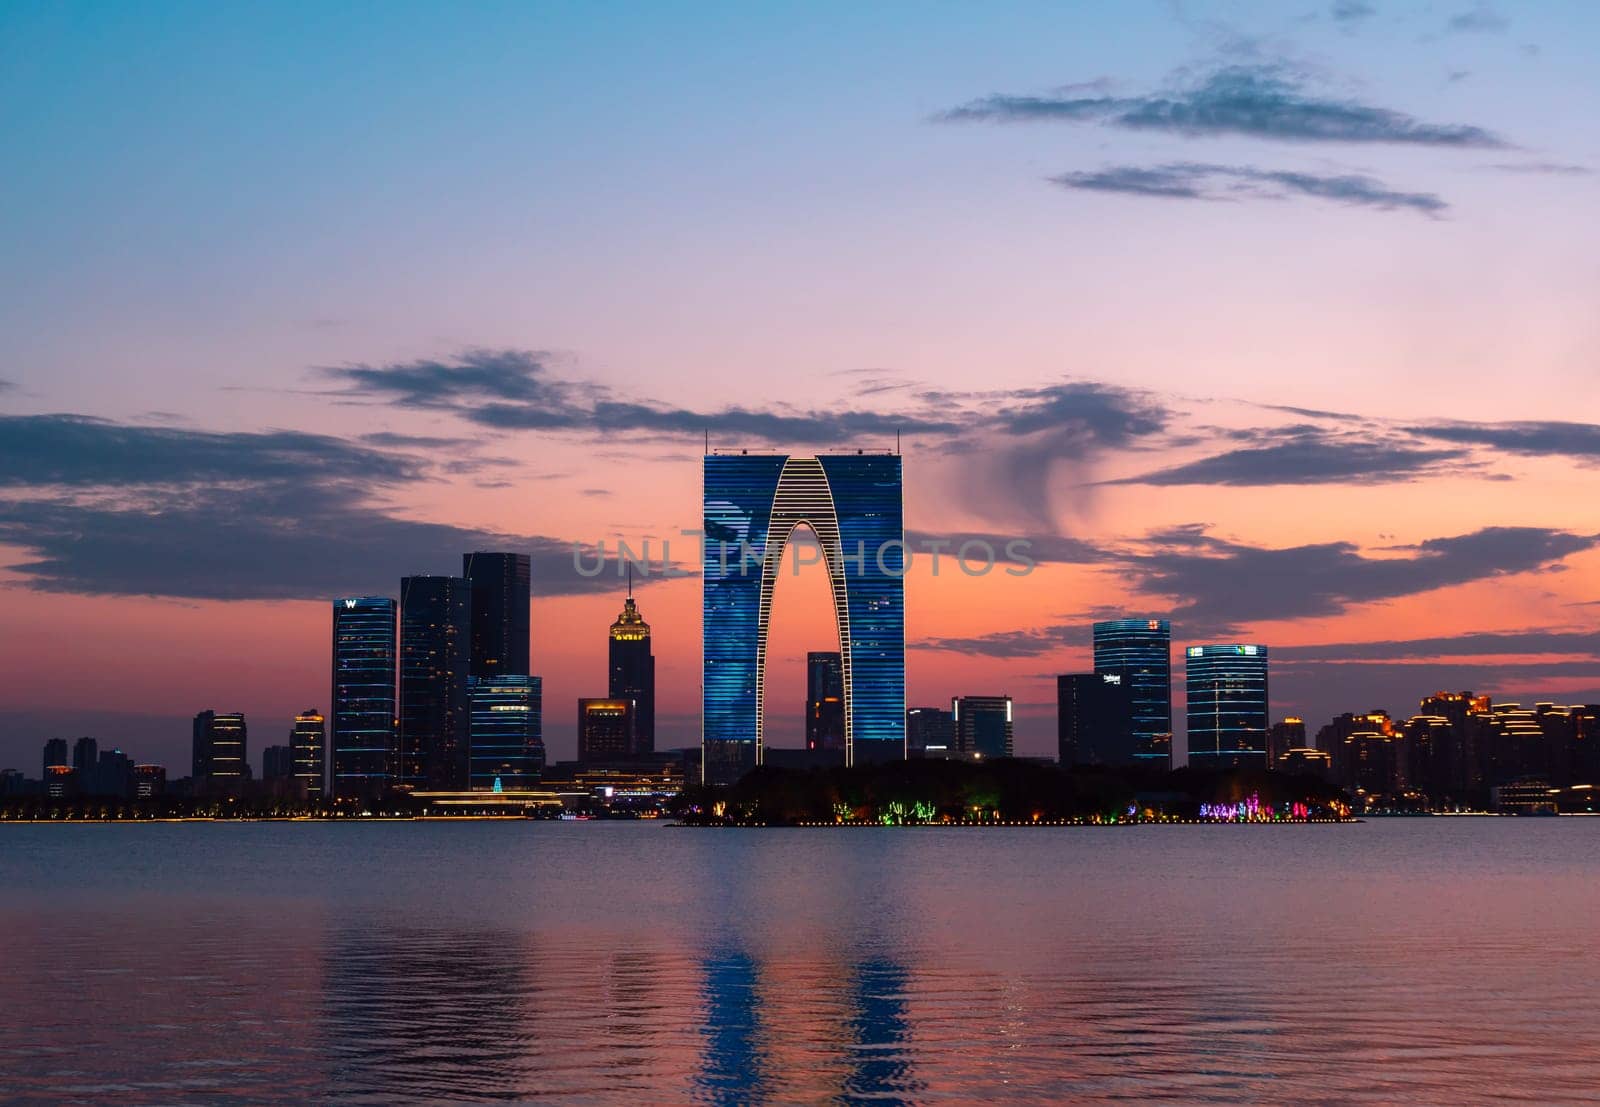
<point x="1437" y="960"/>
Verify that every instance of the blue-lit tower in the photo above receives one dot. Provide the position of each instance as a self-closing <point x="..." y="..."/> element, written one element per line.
<point x="1140" y="652"/>
<point x="507" y="747"/>
<point x="363" y="715"/>
<point x="753" y="503"/>
<point x="1228" y="709"/>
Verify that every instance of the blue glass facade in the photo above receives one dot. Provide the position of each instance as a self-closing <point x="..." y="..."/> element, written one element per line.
<point x="1227" y="708"/>
<point x="507" y="747"/>
<point x="752" y="504"/>
<point x="363" y="714"/>
<point x="1140" y="651"/>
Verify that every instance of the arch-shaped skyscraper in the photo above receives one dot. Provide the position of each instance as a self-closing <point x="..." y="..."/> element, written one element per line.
<point x="753" y="504"/>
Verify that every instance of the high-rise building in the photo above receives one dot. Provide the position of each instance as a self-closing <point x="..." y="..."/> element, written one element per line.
<point x="1094" y="719"/>
<point x="149" y="781"/>
<point x="55" y="753"/>
<point x="507" y="746"/>
<point x="308" y="743"/>
<point x="930" y="732"/>
<point x="824" y="701"/>
<point x="112" y="775"/>
<point x="500" y="615"/>
<point x="633" y="673"/>
<point x="1227" y="706"/>
<point x="605" y="729"/>
<point x="1289" y="733"/>
<point x="753" y="503"/>
<point x="983" y="725"/>
<point x="277" y="762"/>
<point x="85" y="753"/>
<point x="363" y="712"/>
<point x="220" y="749"/>
<point x="1140" y="651"/>
<point x="435" y="661"/>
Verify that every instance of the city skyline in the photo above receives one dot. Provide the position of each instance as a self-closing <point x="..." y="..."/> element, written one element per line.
<point x="1252" y="379"/>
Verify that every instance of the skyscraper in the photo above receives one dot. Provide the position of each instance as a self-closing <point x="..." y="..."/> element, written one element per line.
<point x="500" y="615"/>
<point x="1094" y="719"/>
<point x="1140" y="651"/>
<point x="277" y="762"/>
<point x="604" y="729"/>
<point x="363" y="713"/>
<point x="1227" y="712"/>
<point x="983" y="725"/>
<point x="435" y="661"/>
<point x="824" y="701"/>
<point x="308" y="743"/>
<point x="633" y="673"/>
<point x="220" y="749"/>
<point x="507" y="746"/>
<point x="85" y="752"/>
<point x="1287" y="734"/>
<point x="55" y="753"/>
<point x="753" y="503"/>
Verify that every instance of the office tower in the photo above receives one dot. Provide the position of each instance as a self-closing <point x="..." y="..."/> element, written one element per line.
<point x="1460" y="764"/>
<point x="852" y="502"/>
<point x="1094" y="720"/>
<point x="277" y="763"/>
<point x="1283" y="736"/>
<point x="112" y="776"/>
<point x="930" y="732"/>
<point x="308" y="750"/>
<point x="605" y="728"/>
<point x="506" y="751"/>
<point x="1227" y="706"/>
<point x="149" y="781"/>
<point x="633" y="673"/>
<point x="55" y="753"/>
<point x="1140" y="651"/>
<point x="85" y="752"/>
<point x="435" y="661"/>
<point x="983" y="725"/>
<point x="363" y="713"/>
<point x="500" y="616"/>
<point x="220" y="748"/>
<point x="1428" y="740"/>
<point x="825" y="701"/>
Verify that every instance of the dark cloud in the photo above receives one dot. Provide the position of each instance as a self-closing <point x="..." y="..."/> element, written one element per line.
<point x="1218" y="585"/>
<point x="506" y="376"/>
<point x="1350" y="12"/>
<point x="77" y="450"/>
<point x="1201" y="181"/>
<point x="1310" y="457"/>
<point x="99" y="507"/>
<point x="1480" y="20"/>
<point x="1481" y="644"/>
<point x="1547" y="168"/>
<point x="270" y="542"/>
<point x="1031" y="642"/>
<point x="1530" y="438"/>
<point x="6" y="386"/>
<point x="1257" y="101"/>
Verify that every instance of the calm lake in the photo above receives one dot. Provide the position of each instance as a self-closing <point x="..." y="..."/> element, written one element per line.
<point x="1439" y="960"/>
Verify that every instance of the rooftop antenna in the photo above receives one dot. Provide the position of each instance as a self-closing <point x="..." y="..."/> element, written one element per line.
<point x="897" y="441"/>
<point x="708" y="440"/>
<point x="630" y="580"/>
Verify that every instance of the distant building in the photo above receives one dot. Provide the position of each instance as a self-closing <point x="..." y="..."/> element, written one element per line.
<point x="506" y="751"/>
<point x="149" y="781"/>
<point x="55" y="753"/>
<point x="983" y="725"/>
<point x="1364" y="749"/>
<point x="1140" y="651"/>
<point x="85" y="754"/>
<point x="277" y="763"/>
<point x="363" y="711"/>
<point x="1094" y="719"/>
<point x="435" y="661"/>
<point x="930" y="732"/>
<point x="633" y="673"/>
<point x="501" y="640"/>
<point x="308" y="746"/>
<point x="1227" y="706"/>
<point x="1287" y="734"/>
<point x="220" y="748"/>
<point x="112" y="775"/>
<point x="825" y="700"/>
<point x="604" y="730"/>
<point x="60" y="781"/>
<point x="1305" y="762"/>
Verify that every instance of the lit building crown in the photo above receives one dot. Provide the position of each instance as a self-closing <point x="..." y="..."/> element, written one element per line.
<point x="630" y="625"/>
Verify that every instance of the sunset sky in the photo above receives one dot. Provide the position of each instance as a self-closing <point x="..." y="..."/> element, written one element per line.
<point x="1279" y="320"/>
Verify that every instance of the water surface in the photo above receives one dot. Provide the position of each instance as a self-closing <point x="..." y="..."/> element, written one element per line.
<point x="1440" y="960"/>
